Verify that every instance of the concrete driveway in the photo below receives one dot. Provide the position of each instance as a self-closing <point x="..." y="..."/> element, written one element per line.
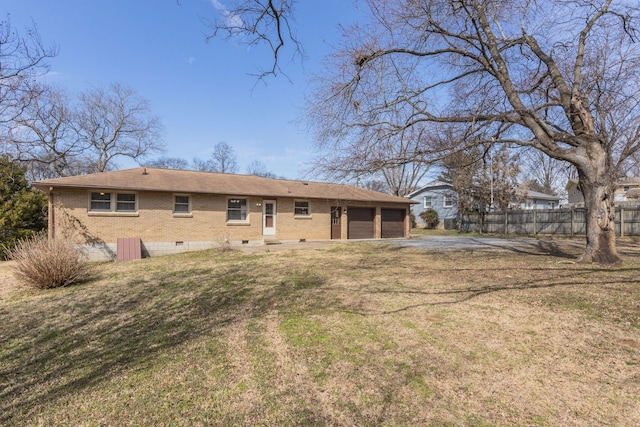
<point x="543" y="245"/>
<point x="456" y="243"/>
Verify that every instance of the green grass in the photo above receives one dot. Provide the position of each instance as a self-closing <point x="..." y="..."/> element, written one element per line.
<point x="356" y="334"/>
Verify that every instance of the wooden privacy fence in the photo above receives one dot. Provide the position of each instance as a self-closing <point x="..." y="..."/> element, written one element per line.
<point x="568" y="221"/>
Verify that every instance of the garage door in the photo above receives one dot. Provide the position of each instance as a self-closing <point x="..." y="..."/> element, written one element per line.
<point x="392" y="223"/>
<point x="360" y="223"/>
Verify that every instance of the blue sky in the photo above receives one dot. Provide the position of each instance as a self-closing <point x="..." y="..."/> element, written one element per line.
<point x="201" y="90"/>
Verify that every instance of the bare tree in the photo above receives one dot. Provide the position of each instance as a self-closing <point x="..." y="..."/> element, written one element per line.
<point x="43" y="137"/>
<point x="167" y="163"/>
<point x="376" y="184"/>
<point x="116" y="123"/>
<point x="398" y="159"/>
<point x="55" y="136"/>
<point x="258" y="168"/>
<point x="501" y="71"/>
<point x="551" y="175"/>
<point x="22" y="61"/>
<point x="202" y="165"/>
<point x="257" y="22"/>
<point x="223" y="158"/>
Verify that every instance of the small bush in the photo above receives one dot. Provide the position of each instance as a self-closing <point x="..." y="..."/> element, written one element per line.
<point x="43" y="264"/>
<point x="430" y="218"/>
<point x="224" y="245"/>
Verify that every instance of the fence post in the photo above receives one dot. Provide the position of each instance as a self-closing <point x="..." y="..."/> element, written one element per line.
<point x="572" y="209"/>
<point x="506" y="222"/>
<point x="621" y="221"/>
<point x="535" y="222"/>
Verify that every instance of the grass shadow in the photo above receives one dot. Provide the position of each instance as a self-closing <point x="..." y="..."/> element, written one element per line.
<point x="63" y="342"/>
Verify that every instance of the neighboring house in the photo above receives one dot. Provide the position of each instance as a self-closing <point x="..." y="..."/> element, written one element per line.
<point x="627" y="192"/>
<point x="530" y="200"/>
<point x="574" y="195"/>
<point x="437" y="195"/>
<point x="174" y="210"/>
<point x="441" y="197"/>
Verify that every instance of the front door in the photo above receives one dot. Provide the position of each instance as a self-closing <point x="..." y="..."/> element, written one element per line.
<point x="336" y="228"/>
<point x="268" y="217"/>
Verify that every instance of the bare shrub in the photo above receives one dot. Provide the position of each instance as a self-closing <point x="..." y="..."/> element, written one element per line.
<point x="43" y="264"/>
<point x="224" y="245"/>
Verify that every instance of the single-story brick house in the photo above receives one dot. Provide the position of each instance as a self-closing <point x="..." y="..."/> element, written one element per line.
<point x="173" y="211"/>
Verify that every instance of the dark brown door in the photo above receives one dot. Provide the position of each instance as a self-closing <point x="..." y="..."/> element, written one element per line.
<point x="361" y="223"/>
<point x="392" y="223"/>
<point x="336" y="228"/>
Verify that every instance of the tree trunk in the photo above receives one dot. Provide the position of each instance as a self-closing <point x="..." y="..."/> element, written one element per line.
<point x="600" y="221"/>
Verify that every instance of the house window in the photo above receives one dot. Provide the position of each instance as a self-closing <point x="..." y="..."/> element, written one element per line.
<point x="428" y="203"/>
<point x="181" y="204"/>
<point x="625" y="188"/>
<point x="237" y="210"/>
<point x="100" y="202"/>
<point x="448" y="201"/>
<point x="126" y="202"/>
<point x="109" y="202"/>
<point x="301" y="208"/>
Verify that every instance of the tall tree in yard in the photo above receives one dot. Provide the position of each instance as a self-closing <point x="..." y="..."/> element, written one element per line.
<point x="506" y="71"/>
<point x="559" y="76"/>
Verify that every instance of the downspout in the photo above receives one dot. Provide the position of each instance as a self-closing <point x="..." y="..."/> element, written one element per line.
<point x="51" y="216"/>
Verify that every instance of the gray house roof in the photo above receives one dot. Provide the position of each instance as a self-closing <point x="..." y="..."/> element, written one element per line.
<point x="437" y="184"/>
<point x="536" y="195"/>
<point x="183" y="181"/>
<point x="431" y="185"/>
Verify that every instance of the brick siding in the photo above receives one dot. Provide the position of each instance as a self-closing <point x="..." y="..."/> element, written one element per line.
<point x="162" y="231"/>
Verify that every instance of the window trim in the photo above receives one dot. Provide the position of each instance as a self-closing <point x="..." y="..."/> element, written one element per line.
<point x="447" y="198"/>
<point x="176" y="203"/>
<point x="301" y="215"/>
<point x="424" y="202"/>
<point x="246" y="211"/>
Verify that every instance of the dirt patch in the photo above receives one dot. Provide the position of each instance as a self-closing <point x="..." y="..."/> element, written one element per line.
<point x="287" y="246"/>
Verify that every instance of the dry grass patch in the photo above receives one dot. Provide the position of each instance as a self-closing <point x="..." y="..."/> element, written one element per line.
<point x="353" y="335"/>
<point x="9" y="283"/>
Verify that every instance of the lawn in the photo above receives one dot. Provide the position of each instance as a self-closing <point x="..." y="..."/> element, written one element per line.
<point x="352" y="334"/>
